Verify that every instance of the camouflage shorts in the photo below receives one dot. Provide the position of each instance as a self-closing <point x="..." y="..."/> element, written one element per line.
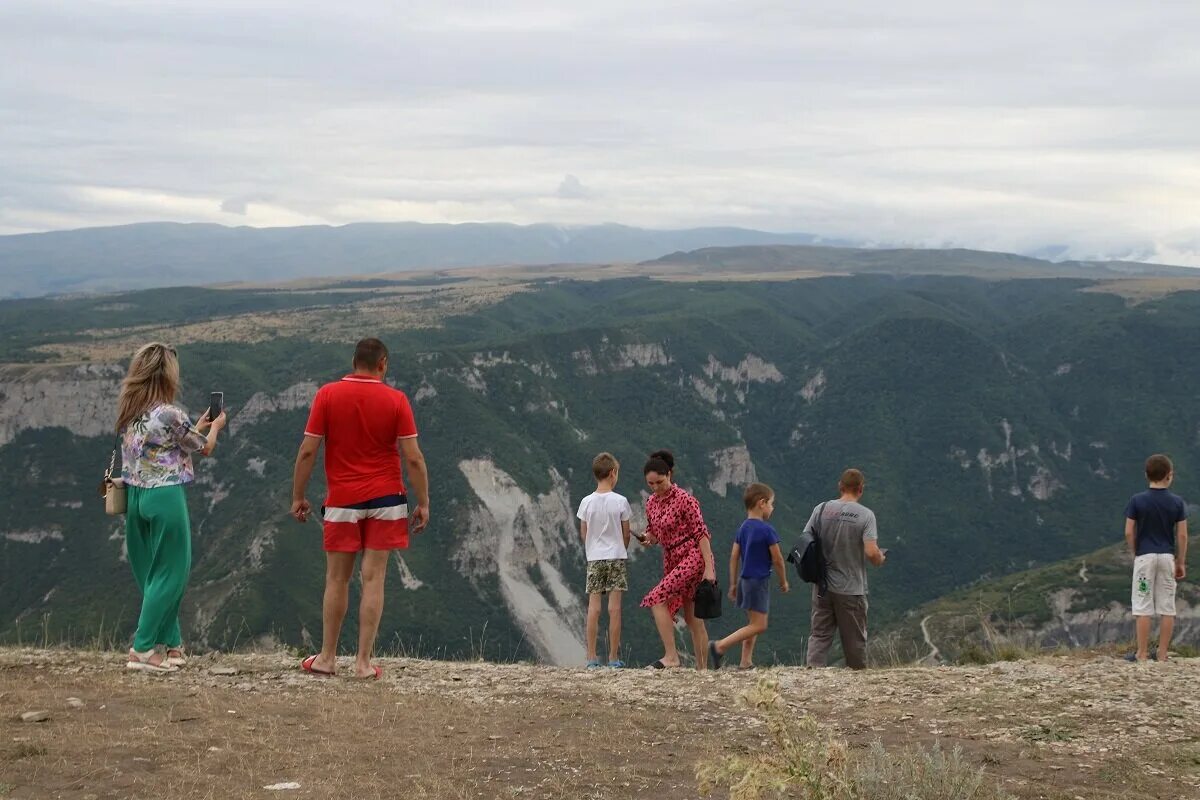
<point x="607" y="576"/>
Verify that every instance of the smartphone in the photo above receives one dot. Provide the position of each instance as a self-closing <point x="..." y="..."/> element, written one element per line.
<point x="216" y="404"/>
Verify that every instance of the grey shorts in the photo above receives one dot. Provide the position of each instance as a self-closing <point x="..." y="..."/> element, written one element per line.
<point x="607" y="576"/>
<point x="754" y="594"/>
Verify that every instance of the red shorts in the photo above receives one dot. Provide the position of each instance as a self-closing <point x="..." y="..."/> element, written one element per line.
<point x="380" y="524"/>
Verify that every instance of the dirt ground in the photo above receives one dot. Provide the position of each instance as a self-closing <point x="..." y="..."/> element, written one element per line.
<point x="1061" y="728"/>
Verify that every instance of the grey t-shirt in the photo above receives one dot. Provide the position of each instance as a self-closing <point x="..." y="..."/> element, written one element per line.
<point x="843" y="529"/>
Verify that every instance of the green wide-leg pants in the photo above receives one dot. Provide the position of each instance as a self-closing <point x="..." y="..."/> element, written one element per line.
<point x="158" y="540"/>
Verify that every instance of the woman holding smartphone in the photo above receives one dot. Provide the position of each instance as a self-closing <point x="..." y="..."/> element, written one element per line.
<point x="157" y="443"/>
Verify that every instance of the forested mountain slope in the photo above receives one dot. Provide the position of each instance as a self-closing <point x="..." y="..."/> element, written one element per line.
<point x="1001" y="425"/>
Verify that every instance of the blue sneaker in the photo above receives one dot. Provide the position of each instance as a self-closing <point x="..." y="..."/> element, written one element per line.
<point x="594" y="664"/>
<point x="616" y="664"/>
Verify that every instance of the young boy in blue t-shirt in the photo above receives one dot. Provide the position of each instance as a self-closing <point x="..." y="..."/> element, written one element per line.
<point x="1156" y="532"/>
<point x="755" y="551"/>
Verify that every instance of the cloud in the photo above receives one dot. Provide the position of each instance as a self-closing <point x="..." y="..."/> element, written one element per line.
<point x="572" y="189"/>
<point x="241" y="204"/>
<point x="235" y="205"/>
<point x="926" y="122"/>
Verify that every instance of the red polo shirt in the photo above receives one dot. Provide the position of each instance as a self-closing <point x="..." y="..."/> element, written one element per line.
<point x="360" y="419"/>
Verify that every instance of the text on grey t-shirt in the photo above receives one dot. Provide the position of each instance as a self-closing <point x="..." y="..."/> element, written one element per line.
<point x="843" y="529"/>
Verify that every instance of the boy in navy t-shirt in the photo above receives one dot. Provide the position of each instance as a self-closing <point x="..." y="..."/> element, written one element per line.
<point x="1156" y="531"/>
<point x="755" y="551"/>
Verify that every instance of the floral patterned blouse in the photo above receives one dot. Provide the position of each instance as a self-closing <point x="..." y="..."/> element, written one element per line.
<point x="157" y="447"/>
<point x="675" y="519"/>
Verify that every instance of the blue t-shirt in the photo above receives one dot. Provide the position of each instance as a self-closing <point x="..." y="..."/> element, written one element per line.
<point x="754" y="539"/>
<point x="1155" y="512"/>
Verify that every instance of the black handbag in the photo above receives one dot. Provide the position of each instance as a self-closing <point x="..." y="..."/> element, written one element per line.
<point x="707" y="600"/>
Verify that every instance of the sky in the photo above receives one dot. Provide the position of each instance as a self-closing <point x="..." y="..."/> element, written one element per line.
<point x="1069" y="128"/>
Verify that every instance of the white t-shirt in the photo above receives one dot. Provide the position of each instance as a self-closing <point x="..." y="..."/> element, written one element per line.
<point x="604" y="513"/>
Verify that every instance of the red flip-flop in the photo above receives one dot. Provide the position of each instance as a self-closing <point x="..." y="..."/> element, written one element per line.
<point x="307" y="666"/>
<point x="378" y="674"/>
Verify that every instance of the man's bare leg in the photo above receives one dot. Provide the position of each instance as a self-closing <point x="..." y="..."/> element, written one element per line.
<point x="1143" y="637"/>
<point x="1166" y="626"/>
<point x="614" y="626"/>
<point x="592" y="629"/>
<point x="339" y="567"/>
<point x="374" y="571"/>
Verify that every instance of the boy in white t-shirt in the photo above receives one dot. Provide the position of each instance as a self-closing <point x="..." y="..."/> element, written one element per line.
<point x="604" y="527"/>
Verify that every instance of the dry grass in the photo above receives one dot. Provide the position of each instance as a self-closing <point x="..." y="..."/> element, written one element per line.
<point x="1057" y="728"/>
<point x="420" y="307"/>
<point x="1141" y="290"/>
<point x="209" y="737"/>
<point x="803" y="761"/>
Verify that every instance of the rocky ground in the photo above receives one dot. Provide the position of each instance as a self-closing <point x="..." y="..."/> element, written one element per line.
<point x="1065" y="727"/>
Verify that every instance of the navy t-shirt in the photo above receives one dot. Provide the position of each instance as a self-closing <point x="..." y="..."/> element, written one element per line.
<point x="1155" y="512"/>
<point x="754" y="539"/>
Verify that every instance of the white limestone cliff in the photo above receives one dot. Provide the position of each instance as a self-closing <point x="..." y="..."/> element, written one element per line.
<point x="731" y="467"/>
<point x="298" y="395"/>
<point x="522" y="541"/>
<point x="82" y="399"/>
<point x="1018" y="470"/>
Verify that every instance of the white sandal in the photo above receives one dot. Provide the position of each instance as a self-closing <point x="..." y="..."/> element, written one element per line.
<point x="176" y="661"/>
<point x="141" y="662"/>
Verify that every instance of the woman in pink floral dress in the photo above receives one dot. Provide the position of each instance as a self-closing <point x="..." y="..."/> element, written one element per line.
<point x="673" y="519"/>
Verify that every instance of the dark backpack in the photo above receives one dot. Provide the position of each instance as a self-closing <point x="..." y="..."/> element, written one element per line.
<point x="809" y="558"/>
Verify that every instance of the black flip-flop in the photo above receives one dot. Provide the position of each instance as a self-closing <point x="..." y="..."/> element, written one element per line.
<point x="658" y="665"/>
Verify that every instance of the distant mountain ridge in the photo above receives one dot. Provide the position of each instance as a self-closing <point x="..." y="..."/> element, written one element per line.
<point x="157" y="254"/>
<point x="161" y="254"/>
<point x="907" y="261"/>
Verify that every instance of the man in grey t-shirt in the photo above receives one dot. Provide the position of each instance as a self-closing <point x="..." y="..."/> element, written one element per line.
<point x="849" y="539"/>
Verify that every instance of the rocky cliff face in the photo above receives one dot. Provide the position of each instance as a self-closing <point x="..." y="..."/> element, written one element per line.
<point x="1104" y="624"/>
<point x="732" y="467"/>
<point x="82" y="399"/>
<point x="296" y="396"/>
<point x="1017" y="469"/>
<point x="521" y="540"/>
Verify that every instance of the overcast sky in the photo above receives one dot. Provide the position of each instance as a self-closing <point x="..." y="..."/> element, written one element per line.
<point x="1003" y="125"/>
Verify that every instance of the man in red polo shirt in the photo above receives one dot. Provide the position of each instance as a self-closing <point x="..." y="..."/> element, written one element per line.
<point x="360" y="418"/>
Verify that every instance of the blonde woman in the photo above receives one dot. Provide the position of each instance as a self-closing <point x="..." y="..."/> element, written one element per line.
<point x="157" y="443"/>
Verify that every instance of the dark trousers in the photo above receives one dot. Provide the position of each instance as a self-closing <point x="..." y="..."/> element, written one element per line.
<point x="845" y="614"/>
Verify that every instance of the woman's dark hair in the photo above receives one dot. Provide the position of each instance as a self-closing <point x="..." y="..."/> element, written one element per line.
<point x="660" y="461"/>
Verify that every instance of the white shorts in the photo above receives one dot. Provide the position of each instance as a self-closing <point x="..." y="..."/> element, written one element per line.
<point x="1154" y="585"/>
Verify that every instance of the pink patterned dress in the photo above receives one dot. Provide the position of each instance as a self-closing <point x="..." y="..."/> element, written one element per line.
<point x="676" y="522"/>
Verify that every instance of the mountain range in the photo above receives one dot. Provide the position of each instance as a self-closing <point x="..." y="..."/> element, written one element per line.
<point x="157" y="254"/>
<point x="162" y="254"/>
